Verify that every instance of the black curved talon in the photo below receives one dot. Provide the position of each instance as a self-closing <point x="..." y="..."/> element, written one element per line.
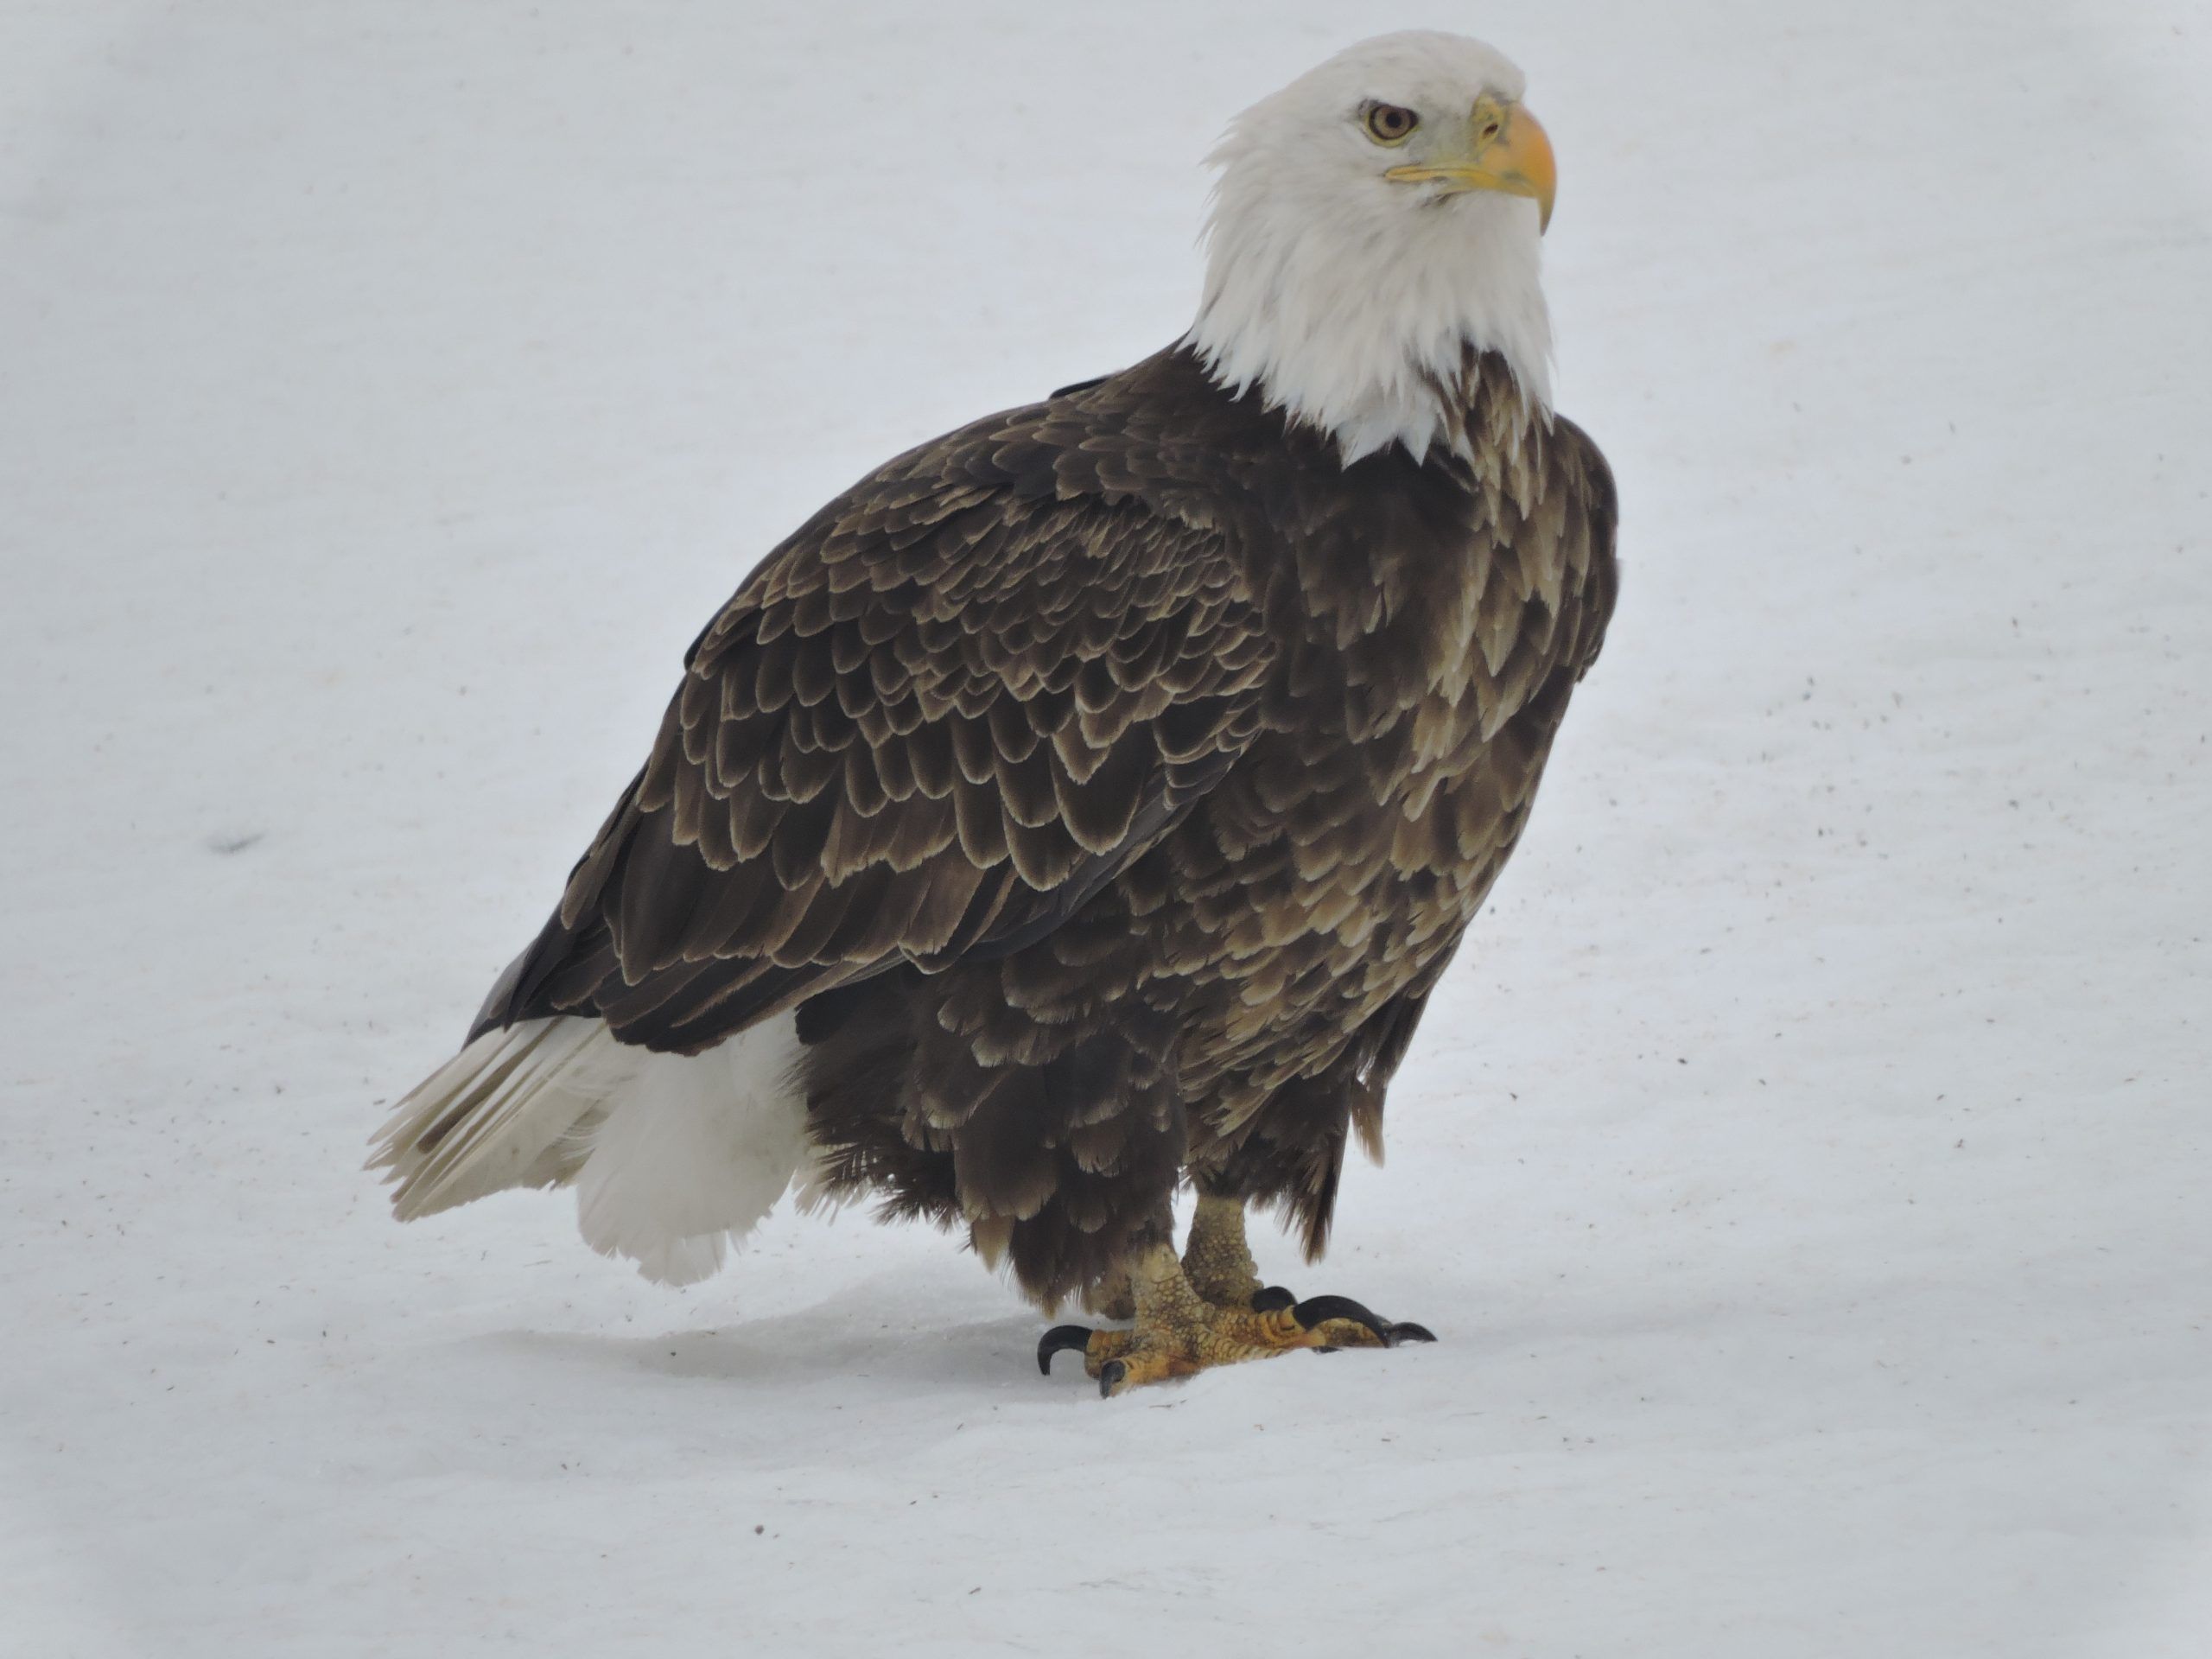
<point x="1318" y="1310"/>
<point x="1109" y="1374"/>
<point x="1273" y="1299"/>
<point x="1059" y="1337"/>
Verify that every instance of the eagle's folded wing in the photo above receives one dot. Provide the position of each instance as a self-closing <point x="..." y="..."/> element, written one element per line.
<point x="931" y="725"/>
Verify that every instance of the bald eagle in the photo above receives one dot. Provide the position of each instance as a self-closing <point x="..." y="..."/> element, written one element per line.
<point x="1087" y="803"/>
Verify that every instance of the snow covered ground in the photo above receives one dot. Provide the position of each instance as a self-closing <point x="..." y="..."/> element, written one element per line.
<point x="1807" y="1167"/>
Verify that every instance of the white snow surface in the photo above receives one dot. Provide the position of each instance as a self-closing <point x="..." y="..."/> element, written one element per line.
<point x="1805" y="1163"/>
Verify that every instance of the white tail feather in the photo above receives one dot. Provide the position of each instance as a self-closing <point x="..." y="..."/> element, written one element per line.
<point x="697" y="1153"/>
<point x="674" y="1157"/>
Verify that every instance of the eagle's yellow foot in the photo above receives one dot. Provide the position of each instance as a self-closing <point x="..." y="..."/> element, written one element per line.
<point x="1177" y="1331"/>
<point x="1219" y="1263"/>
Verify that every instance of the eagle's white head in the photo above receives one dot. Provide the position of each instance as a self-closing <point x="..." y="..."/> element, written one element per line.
<point x="1372" y="220"/>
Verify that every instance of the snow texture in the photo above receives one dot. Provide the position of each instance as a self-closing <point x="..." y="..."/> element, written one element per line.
<point x="1805" y="1165"/>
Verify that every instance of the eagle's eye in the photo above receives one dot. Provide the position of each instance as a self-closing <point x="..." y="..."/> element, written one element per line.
<point x="1388" y="123"/>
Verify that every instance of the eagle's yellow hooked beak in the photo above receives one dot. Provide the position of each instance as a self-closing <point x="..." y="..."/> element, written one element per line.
<point x="1503" y="148"/>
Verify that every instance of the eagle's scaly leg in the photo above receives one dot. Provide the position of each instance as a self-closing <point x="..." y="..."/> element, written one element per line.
<point x="1217" y="1260"/>
<point x="1200" y="1311"/>
<point x="1177" y="1332"/>
<point x="1219" y="1263"/>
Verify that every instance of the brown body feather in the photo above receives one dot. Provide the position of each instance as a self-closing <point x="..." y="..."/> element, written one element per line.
<point x="1106" y="785"/>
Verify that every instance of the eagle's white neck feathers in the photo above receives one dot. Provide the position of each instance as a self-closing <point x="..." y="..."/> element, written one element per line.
<point x="1351" y="302"/>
